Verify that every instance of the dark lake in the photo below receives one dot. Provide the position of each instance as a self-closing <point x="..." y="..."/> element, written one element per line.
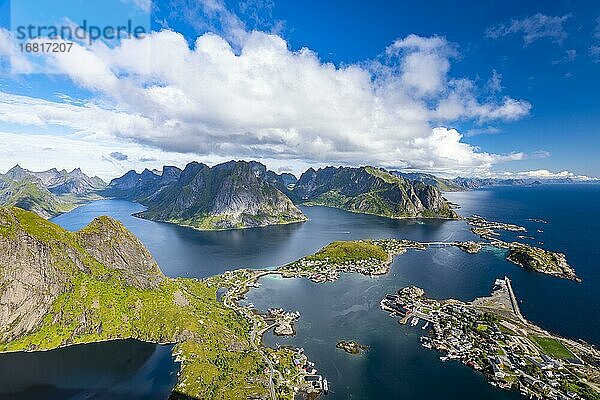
<point x="119" y="370"/>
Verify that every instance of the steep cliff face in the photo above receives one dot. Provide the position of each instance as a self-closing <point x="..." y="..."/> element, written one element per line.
<point x="109" y="242"/>
<point x="133" y="185"/>
<point x="373" y="191"/>
<point x="39" y="260"/>
<point x="230" y="195"/>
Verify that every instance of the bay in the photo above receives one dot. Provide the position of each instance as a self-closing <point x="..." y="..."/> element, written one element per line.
<point x="395" y="366"/>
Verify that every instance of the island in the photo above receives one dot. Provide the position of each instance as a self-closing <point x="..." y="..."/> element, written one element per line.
<point x="522" y="254"/>
<point x="283" y="321"/>
<point x="470" y="247"/>
<point x="491" y="335"/>
<point x="488" y="229"/>
<point x="538" y="259"/>
<point x="351" y="347"/>
<point x="367" y="257"/>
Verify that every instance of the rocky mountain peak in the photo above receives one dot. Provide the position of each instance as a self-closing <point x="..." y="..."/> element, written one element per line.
<point x="108" y="241"/>
<point x="38" y="259"/>
<point x="17" y="173"/>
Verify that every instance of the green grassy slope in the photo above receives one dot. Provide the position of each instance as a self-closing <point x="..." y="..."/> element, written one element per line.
<point x="97" y="304"/>
<point x="30" y="195"/>
<point x="350" y="251"/>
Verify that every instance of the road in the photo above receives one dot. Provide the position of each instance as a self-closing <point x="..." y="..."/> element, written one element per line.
<point x="513" y="300"/>
<point x="264" y="356"/>
<point x="254" y="332"/>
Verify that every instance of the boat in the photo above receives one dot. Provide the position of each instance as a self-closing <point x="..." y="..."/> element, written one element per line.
<point x="426" y="325"/>
<point x="414" y="321"/>
<point x="325" y="386"/>
<point x="443" y="358"/>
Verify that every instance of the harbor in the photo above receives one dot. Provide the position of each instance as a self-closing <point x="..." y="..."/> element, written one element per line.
<point x="491" y="335"/>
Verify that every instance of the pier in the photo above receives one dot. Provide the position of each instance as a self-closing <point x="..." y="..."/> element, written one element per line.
<point x="513" y="300"/>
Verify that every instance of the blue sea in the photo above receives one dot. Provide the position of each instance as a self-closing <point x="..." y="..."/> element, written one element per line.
<point x="395" y="366"/>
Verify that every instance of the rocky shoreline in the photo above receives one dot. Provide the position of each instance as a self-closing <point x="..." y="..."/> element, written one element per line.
<point x="491" y="336"/>
<point x="351" y="347"/>
<point x="521" y="254"/>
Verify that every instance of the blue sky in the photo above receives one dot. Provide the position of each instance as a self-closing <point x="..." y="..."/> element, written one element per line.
<point x="497" y="89"/>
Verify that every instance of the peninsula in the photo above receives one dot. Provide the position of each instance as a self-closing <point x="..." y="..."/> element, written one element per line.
<point x="491" y="336"/>
<point x="232" y="195"/>
<point x="370" y="190"/>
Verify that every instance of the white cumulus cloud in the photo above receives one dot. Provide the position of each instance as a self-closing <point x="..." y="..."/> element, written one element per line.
<point x="260" y="99"/>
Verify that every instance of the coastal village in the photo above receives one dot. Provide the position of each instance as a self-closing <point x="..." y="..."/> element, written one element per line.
<point x="369" y="257"/>
<point x="289" y="370"/>
<point x="491" y="336"/>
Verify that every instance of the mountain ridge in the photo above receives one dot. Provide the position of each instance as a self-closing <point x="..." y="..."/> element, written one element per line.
<point x="47" y="193"/>
<point x="231" y="195"/>
<point x="372" y="191"/>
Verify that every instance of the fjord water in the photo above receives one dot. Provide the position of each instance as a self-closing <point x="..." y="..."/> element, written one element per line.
<point x="119" y="370"/>
<point x="395" y="366"/>
<point x="187" y="252"/>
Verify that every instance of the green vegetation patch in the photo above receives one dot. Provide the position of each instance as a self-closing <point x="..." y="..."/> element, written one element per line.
<point x="581" y="389"/>
<point x="217" y="358"/>
<point x="553" y="347"/>
<point x="384" y="175"/>
<point x="350" y="251"/>
<point x="218" y="361"/>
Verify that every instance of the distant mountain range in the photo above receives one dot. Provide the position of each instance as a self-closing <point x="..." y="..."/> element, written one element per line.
<point x="474" y="183"/>
<point x="240" y="194"/>
<point x="445" y="185"/>
<point x="47" y="193"/>
<point x="461" y="183"/>
<point x="243" y="194"/>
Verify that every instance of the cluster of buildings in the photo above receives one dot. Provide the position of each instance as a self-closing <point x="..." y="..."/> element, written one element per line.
<point x="313" y="382"/>
<point x="479" y="339"/>
<point x="328" y="270"/>
<point x="283" y="321"/>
